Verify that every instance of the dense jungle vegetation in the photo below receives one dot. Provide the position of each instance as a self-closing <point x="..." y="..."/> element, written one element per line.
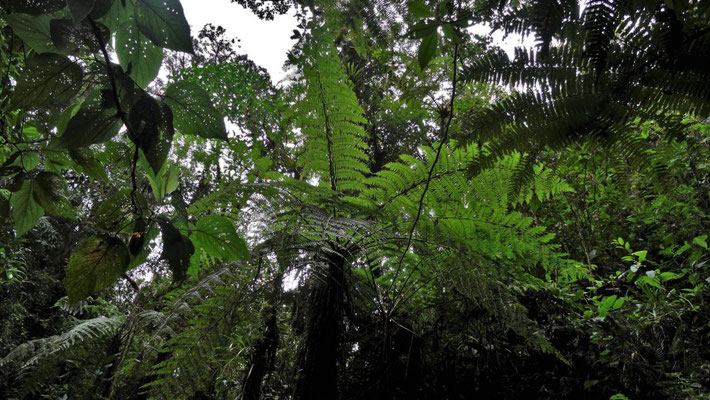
<point x="412" y="213"/>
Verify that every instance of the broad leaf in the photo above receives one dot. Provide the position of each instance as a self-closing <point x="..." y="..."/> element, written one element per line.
<point x="427" y="49"/>
<point x="118" y="15"/>
<point x="217" y="236"/>
<point x="25" y="210"/>
<point x="177" y="249"/>
<point x="116" y="213"/>
<point x="71" y="38"/>
<point x="96" y="122"/>
<point x="33" y="30"/>
<point x="49" y="191"/>
<point x="102" y="7"/>
<point x="36" y="7"/>
<point x="80" y="9"/>
<point x="152" y="124"/>
<point x="88" y="163"/>
<point x="419" y="9"/>
<point x="94" y="265"/>
<point x="164" y="23"/>
<point x="193" y="111"/>
<point x="47" y="79"/>
<point x="138" y="57"/>
<point x="142" y="245"/>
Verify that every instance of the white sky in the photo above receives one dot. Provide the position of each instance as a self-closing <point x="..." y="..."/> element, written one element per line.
<point x="265" y="42"/>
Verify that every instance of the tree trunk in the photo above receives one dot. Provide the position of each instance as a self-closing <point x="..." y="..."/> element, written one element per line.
<point x="262" y="361"/>
<point x="317" y="373"/>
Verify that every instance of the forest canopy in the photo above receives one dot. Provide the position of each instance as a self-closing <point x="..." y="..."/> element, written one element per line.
<point x="414" y="212"/>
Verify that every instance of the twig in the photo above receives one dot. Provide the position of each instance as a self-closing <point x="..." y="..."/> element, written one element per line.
<point x="431" y="170"/>
<point x="119" y="112"/>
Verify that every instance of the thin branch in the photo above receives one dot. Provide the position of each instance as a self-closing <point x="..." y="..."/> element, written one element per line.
<point x="444" y="138"/>
<point x="119" y="112"/>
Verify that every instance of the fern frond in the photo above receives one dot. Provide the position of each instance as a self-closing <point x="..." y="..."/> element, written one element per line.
<point x="331" y="120"/>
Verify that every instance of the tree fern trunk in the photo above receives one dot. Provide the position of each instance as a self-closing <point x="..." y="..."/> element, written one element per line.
<point x="265" y="350"/>
<point x="317" y="373"/>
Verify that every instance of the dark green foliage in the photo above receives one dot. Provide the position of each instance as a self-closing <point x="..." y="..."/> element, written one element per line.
<point x="193" y="111"/>
<point x="374" y="225"/>
<point x="164" y="24"/>
<point x="95" y="263"/>
<point x="621" y="64"/>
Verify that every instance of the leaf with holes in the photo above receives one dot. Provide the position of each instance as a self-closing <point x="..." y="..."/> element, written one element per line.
<point x="47" y="79"/>
<point x="152" y="123"/>
<point x="164" y="23"/>
<point x="37" y="7"/>
<point x="94" y="265"/>
<point x="95" y="122"/>
<point x="194" y="112"/>
<point x="217" y="236"/>
<point x="33" y="30"/>
<point x="116" y="213"/>
<point x="137" y="55"/>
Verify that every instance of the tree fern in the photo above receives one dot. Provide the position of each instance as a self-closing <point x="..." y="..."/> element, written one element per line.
<point x="31" y="362"/>
<point x="330" y="118"/>
<point x="619" y="64"/>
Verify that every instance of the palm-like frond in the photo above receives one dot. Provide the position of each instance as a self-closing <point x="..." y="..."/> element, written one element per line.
<point x="330" y="118"/>
<point x="619" y="65"/>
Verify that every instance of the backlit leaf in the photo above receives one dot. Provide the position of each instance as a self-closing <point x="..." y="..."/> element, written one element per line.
<point x="137" y="55"/>
<point x="47" y="79"/>
<point x="193" y="111"/>
<point x="95" y="264"/>
<point x="218" y="237"/>
<point x="25" y="210"/>
<point x="33" y="30"/>
<point x="95" y="122"/>
<point x="164" y="23"/>
<point x="427" y="49"/>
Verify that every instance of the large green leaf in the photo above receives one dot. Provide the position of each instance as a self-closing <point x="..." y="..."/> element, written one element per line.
<point x="118" y="15"/>
<point x="25" y="210"/>
<point x="217" y="236"/>
<point x="137" y="55"/>
<point x="88" y="163"/>
<point x="47" y="79"/>
<point x="49" y="191"/>
<point x="164" y="23"/>
<point x="33" y="30"/>
<point x="102" y="7"/>
<point x="36" y="7"/>
<point x="193" y="111"/>
<point x="152" y="123"/>
<point x="419" y="9"/>
<point x="177" y="249"/>
<point x="95" y="264"/>
<point x="72" y="38"/>
<point x="116" y="213"/>
<point x="427" y="49"/>
<point x="80" y="9"/>
<point x="95" y="122"/>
